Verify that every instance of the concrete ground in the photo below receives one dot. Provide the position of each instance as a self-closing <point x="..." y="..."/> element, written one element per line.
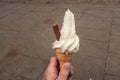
<point x="26" y="36"/>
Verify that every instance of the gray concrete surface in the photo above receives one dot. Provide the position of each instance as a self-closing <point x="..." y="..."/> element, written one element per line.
<point x="93" y="2"/>
<point x="26" y="37"/>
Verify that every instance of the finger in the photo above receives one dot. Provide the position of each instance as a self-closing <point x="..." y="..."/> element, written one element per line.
<point x="70" y="78"/>
<point x="64" y="73"/>
<point x="52" y="67"/>
<point x="71" y="74"/>
<point x="53" y="62"/>
<point x="51" y="71"/>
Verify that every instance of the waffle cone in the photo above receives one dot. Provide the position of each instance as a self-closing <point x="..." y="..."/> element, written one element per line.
<point x="63" y="58"/>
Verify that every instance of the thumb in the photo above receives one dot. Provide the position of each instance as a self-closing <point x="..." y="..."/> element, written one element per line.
<point x="64" y="72"/>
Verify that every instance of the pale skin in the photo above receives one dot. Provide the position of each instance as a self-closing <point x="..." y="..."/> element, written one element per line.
<point x="52" y="73"/>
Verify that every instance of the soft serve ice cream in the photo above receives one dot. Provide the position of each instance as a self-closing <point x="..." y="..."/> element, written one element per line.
<point x="69" y="41"/>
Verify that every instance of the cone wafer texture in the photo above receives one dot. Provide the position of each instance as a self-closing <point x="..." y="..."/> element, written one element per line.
<point x="63" y="58"/>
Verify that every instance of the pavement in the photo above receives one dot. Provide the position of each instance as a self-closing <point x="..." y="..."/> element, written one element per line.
<point x="26" y="36"/>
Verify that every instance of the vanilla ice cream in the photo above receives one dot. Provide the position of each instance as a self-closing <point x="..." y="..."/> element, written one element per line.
<point x="69" y="41"/>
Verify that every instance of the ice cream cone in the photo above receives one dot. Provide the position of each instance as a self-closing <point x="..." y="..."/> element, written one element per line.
<point x="63" y="58"/>
<point x="66" y="39"/>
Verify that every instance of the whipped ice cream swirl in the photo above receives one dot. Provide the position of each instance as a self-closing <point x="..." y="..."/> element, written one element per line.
<point x="69" y="41"/>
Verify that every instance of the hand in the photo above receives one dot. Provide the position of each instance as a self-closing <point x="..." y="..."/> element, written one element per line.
<point x="52" y="73"/>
